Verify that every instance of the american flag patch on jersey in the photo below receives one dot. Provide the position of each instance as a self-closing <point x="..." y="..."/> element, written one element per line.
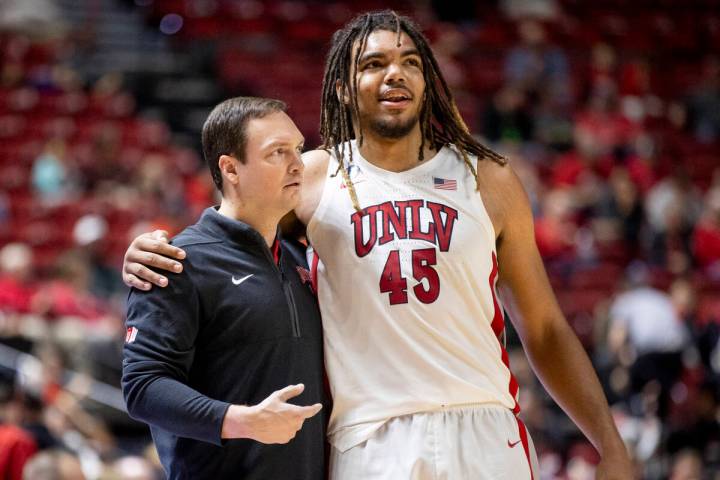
<point x="131" y="334"/>
<point x="444" y="184"/>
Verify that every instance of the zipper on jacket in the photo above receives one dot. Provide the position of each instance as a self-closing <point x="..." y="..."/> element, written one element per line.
<point x="287" y="290"/>
<point x="290" y="298"/>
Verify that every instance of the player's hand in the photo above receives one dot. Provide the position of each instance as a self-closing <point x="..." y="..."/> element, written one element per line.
<point x="615" y="467"/>
<point x="271" y="421"/>
<point x="150" y="250"/>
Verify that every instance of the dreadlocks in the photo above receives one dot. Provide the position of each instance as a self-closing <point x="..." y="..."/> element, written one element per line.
<point x="440" y="120"/>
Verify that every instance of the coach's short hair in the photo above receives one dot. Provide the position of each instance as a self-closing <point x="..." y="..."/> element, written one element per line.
<point x="224" y="130"/>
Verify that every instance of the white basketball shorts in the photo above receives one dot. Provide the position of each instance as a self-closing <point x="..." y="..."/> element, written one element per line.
<point x="484" y="442"/>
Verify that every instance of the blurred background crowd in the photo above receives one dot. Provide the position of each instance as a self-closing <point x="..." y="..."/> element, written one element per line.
<point x="609" y="111"/>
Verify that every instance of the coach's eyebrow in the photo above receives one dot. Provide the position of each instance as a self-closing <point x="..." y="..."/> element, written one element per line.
<point x="275" y="143"/>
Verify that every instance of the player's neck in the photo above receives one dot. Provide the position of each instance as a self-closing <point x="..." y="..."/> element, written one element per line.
<point x="396" y="154"/>
<point x="264" y="222"/>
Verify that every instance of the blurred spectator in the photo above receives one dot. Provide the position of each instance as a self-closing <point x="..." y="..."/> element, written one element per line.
<point x="448" y="46"/>
<point x="601" y="123"/>
<point x="160" y="185"/>
<point x="698" y="427"/>
<point x="16" y="445"/>
<point x="100" y="164"/>
<point x="68" y="293"/>
<point x="33" y="421"/>
<point x="676" y="189"/>
<point x="576" y="166"/>
<point x="506" y="118"/>
<point x="706" y="236"/>
<point x="641" y="432"/>
<point x="619" y="214"/>
<point x="582" y="460"/>
<point x="687" y="465"/>
<point x="39" y="16"/>
<point x="635" y="77"/>
<point x="199" y="193"/>
<point x="673" y="206"/>
<point x="16" y="280"/>
<point x="703" y="104"/>
<point x="65" y="418"/>
<point x="535" y="65"/>
<point x="108" y="94"/>
<point x="538" y="9"/>
<point x="705" y="334"/>
<point x="645" y="318"/>
<point x="641" y="163"/>
<point x="645" y="321"/>
<point x="131" y="468"/>
<point x="555" y="229"/>
<point x="552" y="123"/>
<point x="602" y="69"/>
<point x="52" y="178"/>
<point x="90" y="236"/>
<point x="53" y="465"/>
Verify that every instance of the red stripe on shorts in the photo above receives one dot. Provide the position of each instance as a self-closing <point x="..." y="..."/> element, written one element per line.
<point x="525" y="444"/>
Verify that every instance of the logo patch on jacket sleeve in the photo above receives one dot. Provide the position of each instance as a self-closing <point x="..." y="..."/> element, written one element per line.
<point x="131" y="334"/>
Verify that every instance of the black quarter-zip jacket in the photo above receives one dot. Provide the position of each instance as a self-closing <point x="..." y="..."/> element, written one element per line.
<point x="232" y="328"/>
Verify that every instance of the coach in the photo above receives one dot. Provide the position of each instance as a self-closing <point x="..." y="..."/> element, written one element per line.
<point x="211" y="361"/>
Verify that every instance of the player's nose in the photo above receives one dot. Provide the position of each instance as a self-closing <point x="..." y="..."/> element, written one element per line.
<point x="394" y="73"/>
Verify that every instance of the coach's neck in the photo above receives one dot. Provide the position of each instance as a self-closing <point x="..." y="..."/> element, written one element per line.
<point x="265" y="222"/>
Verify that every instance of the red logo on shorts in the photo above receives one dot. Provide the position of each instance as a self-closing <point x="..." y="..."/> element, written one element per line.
<point x="511" y="445"/>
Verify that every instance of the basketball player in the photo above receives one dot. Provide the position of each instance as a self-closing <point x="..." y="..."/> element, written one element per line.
<point x="415" y="225"/>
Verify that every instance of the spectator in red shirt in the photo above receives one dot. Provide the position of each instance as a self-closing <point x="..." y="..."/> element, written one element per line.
<point x="641" y="164"/>
<point x="555" y="230"/>
<point x="16" y="291"/>
<point x="16" y="445"/>
<point x="603" y="121"/>
<point x="68" y="293"/>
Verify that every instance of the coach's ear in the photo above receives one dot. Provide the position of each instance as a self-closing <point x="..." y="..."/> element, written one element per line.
<point x="229" y="168"/>
<point x="342" y="92"/>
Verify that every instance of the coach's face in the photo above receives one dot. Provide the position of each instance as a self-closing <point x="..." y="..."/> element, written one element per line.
<point x="271" y="177"/>
<point x="390" y="85"/>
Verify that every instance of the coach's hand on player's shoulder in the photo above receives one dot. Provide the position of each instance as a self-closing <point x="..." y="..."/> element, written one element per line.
<point x="150" y="250"/>
<point x="271" y="421"/>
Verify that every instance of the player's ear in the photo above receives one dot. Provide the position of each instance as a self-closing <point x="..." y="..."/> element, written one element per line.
<point x="342" y="92"/>
<point x="229" y="168"/>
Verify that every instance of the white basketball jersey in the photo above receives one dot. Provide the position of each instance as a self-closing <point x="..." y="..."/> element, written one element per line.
<point x="407" y="295"/>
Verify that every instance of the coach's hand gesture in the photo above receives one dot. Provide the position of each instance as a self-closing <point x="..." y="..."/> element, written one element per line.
<point x="271" y="421"/>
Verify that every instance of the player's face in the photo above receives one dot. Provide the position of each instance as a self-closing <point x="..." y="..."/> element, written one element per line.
<point x="390" y="85"/>
<point x="272" y="175"/>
